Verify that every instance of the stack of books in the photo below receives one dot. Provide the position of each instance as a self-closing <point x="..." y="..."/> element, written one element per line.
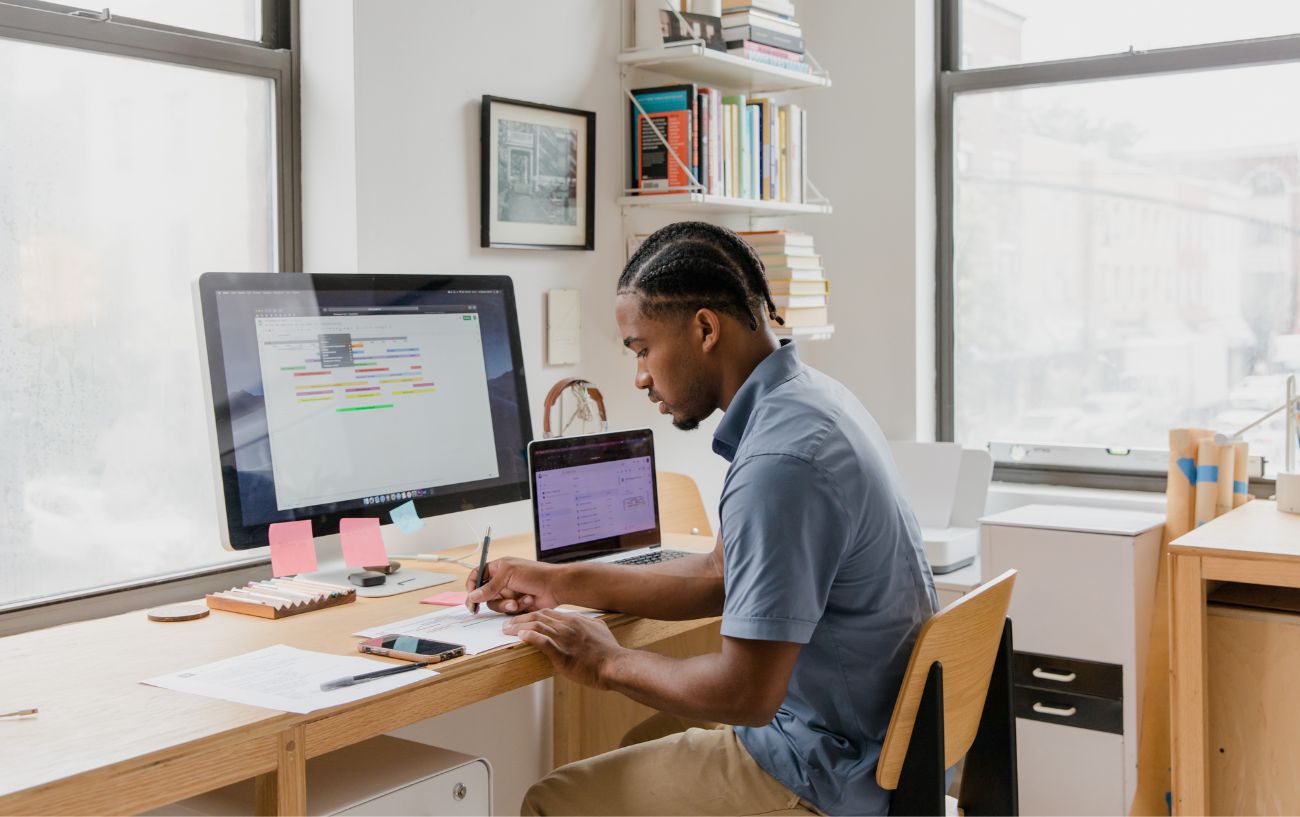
<point x="764" y="31"/>
<point x="796" y="279"/>
<point x="733" y="145"/>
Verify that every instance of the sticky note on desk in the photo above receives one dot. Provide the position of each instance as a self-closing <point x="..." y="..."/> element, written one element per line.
<point x="450" y="598"/>
<point x="362" y="542"/>
<point x="292" y="548"/>
<point x="405" y="517"/>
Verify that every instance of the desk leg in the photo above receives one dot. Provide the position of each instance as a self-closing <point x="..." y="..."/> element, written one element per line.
<point x="284" y="791"/>
<point x="1188" y="722"/>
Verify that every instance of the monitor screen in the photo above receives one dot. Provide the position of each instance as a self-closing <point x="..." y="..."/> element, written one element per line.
<point x="594" y="494"/>
<point x="347" y="395"/>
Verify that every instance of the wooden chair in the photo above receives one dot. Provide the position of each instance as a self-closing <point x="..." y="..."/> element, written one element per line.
<point x="681" y="510"/>
<point x="955" y="701"/>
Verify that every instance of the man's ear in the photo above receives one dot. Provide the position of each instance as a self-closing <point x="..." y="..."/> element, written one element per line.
<point x="708" y="327"/>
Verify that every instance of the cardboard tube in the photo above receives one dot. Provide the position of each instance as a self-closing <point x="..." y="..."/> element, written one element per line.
<point x="1207" y="481"/>
<point x="1240" y="474"/>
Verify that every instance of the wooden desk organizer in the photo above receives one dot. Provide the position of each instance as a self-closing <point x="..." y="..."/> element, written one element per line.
<point x="278" y="598"/>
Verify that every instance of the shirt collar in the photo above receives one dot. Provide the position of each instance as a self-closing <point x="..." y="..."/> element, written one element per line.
<point x="775" y="369"/>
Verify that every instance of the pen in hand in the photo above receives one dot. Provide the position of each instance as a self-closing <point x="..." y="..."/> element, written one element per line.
<point x="482" y="567"/>
<point x="338" y="683"/>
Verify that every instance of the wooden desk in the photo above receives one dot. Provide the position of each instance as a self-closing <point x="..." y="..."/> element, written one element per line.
<point x="1253" y="544"/>
<point x="106" y="744"/>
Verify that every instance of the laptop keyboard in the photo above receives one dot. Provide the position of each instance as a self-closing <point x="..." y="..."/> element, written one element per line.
<point x="652" y="558"/>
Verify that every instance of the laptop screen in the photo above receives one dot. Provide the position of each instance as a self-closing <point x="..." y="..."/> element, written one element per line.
<point x="593" y="495"/>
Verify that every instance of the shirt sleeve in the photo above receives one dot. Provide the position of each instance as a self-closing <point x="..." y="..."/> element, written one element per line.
<point x="784" y="531"/>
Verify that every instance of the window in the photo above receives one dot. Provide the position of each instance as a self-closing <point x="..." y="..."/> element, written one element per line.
<point x="1121" y="254"/>
<point x="129" y="164"/>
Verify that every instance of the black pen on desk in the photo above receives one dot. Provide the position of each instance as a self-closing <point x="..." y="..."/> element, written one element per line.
<point x="368" y="676"/>
<point x="482" y="566"/>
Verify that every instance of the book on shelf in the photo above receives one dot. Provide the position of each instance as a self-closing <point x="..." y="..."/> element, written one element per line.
<point x="749" y="46"/>
<point x="657" y="171"/>
<point x="767" y="59"/>
<point x="788" y="286"/>
<point x="794" y="273"/>
<point x="796" y="332"/>
<point x="736" y="37"/>
<point x="804" y="316"/>
<point x="805" y="261"/>
<point x="781" y="8"/>
<point x="761" y="19"/>
<point x="784" y="239"/>
<point x="799" y="301"/>
<point x="660" y="100"/>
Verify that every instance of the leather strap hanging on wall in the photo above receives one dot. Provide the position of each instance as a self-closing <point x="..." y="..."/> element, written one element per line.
<point x="583" y="389"/>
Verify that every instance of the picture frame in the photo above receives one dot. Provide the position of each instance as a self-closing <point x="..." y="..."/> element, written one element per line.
<point x="537" y="176"/>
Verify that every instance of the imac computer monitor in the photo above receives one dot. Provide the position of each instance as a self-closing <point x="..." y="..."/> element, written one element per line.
<point x="340" y="396"/>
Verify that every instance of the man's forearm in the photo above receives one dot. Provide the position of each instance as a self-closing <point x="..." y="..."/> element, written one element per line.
<point x="685" y="588"/>
<point x="697" y="688"/>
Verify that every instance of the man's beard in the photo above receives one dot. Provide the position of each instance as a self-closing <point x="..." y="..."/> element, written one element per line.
<point x="688" y="424"/>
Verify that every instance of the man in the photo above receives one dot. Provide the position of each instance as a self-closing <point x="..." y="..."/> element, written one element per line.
<point x="818" y="574"/>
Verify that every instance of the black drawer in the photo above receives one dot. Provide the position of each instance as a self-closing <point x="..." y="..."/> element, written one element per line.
<point x="1081" y="711"/>
<point x="1070" y="675"/>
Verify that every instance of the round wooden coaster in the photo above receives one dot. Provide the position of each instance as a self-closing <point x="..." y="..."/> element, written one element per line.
<point x="179" y="612"/>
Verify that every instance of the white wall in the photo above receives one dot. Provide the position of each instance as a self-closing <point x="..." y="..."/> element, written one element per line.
<point x="872" y="154"/>
<point x="390" y="164"/>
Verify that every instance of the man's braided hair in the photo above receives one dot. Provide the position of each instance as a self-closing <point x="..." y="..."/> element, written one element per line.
<point x="693" y="265"/>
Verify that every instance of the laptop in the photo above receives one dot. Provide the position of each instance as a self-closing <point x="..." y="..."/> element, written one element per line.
<point x="595" y="499"/>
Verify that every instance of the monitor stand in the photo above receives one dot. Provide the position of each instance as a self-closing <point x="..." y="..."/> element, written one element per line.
<point x="331" y="569"/>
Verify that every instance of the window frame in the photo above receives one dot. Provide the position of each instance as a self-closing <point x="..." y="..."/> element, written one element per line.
<point x="275" y="57"/>
<point x="952" y="80"/>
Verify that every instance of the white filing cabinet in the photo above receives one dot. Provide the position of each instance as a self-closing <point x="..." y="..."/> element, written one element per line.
<point x="378" y="777"/>
<point x="1080" y="613"/>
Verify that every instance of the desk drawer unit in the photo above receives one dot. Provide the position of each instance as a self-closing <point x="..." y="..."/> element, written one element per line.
<point x="1081" y="607"/>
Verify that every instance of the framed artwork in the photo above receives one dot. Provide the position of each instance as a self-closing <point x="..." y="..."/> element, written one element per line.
<point x="538" y="176"/>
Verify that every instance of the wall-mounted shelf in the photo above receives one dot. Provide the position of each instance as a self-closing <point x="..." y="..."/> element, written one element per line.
<point x="699" y="202"/>
<point x="695" y="63"/>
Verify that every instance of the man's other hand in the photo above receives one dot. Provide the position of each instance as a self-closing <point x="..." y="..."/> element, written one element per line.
<point x="581" y="648"/>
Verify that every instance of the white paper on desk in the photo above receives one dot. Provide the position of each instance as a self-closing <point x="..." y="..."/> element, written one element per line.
<point x="285" y="678"/>
<point x="457" y="625"/>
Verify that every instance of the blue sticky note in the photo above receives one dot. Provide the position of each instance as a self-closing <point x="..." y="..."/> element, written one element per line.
<point x="405" y="517"/>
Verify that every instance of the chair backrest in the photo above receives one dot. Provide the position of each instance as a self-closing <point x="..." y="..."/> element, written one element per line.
<point x="963" y="638"/>
<point x="681" y="509"/>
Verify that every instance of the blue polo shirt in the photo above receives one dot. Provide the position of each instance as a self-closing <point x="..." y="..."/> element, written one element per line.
<point x="821" y="549"/>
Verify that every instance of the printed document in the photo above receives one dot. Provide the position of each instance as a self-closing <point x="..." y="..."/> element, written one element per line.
<point x="477" y="633"/>
<point x="286" y="678"/>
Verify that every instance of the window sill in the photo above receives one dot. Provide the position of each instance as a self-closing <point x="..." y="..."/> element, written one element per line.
<point x="41" y="613"/>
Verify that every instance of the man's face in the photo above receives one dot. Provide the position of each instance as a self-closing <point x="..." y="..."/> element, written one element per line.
<point x="671" y="361"/>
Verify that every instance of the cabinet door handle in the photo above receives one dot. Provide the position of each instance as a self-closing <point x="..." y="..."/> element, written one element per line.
<point x="1063" y="678"/>
<point x="1043" y="709"/>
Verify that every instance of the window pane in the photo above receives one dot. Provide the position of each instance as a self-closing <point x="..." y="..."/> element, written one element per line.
<point x="121" y="180"/>
<point x="1005" y="32"/>
<point x="230" y="18"/>
<point x="1126" y="258"/>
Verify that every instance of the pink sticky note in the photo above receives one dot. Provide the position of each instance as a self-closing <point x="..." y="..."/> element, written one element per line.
<point x="450" y="598"/>
<point x="363" y="545"/>
<point x="292" y="550"/>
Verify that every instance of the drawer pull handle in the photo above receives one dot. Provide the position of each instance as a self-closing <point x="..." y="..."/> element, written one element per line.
<point x="1059" y="677"/>
<point x="1043" y="709"/>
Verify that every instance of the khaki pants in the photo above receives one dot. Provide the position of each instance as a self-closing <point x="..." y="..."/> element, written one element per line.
<point x="699" y="771"/>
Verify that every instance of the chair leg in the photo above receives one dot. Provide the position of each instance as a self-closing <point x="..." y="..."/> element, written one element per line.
<point x="988" y="782"/>
<point x="921" y="783"/>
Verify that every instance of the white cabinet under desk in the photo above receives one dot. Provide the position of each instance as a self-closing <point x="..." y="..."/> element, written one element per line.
<point x="1080" y="613"/>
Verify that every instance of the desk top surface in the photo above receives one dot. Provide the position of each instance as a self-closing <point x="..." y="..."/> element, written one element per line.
<point x="94" y="712"/>
<point x="1256" y="530"/>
